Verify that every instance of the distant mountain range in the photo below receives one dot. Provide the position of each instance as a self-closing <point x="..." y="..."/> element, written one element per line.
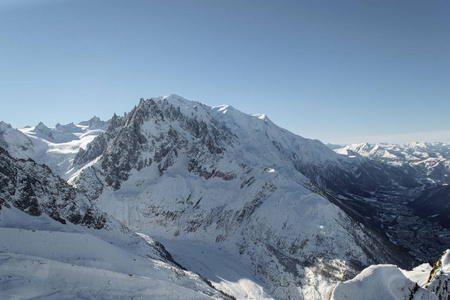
<point x="433" y="159"/>
<point x="259" y="212"/>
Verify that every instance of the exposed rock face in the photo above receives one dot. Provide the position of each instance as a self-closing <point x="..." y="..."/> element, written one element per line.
<point x="94" y="123"/>
<point x="126" y="145"/>
<point x="439" y="279"/>
<point x="44" y="130"/>
<point x="72" y="128"/>
<point x="34" y="189"/>
<point x="99" y="144"/>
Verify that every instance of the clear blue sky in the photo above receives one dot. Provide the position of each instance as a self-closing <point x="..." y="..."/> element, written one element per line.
<point x="338" y="71"/>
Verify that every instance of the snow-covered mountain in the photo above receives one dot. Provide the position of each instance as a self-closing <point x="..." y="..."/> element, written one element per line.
<point x="55" y="244"/>
<point x="389" y="282"/>
<point x="433" y="159"/>
<point x="55" y="147"/>
<point x="260" y="212"/>
<point x="15" y="142"/>
<point x="432" y="162"/>
<point x="257" y="194"/>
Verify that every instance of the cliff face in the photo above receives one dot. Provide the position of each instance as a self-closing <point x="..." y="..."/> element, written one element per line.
<point x="34" y="189"/>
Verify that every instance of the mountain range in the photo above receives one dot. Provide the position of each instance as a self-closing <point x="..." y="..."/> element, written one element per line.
<point x="250" y="209"/>
<point x="431" y="160"/>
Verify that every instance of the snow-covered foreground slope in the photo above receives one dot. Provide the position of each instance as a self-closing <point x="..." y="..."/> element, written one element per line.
<point x="217" y="178"/>
<point x="227" y="271"/>
<point x="380" y="282"/>
<point x="41" y="258"/>
<point x="43" y="254"/>
<point x="388" y="282"/>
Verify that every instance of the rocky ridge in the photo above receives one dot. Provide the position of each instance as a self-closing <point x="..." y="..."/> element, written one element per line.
<point x="34" y="189"/>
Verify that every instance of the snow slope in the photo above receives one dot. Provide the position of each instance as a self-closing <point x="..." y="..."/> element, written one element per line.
<point x="40" y="258"/>
<point x="226" y="271"/>
<point x="380" y="282"/>
<point x="56" y="244"/>
<point x="17" y="144"/>
<point x="389" y="282"/>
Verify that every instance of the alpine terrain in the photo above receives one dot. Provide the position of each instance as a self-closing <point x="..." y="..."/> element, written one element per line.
<point x="177" y="199"/>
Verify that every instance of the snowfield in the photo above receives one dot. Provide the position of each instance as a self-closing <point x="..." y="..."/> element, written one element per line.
<point x="391" y="283"/>
<point x="385" y="282"/>
<point x="57" y="146"/>
<point x="41" y="258"/>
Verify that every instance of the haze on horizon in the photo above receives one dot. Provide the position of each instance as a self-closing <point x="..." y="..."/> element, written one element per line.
<point x="337" y="71"/>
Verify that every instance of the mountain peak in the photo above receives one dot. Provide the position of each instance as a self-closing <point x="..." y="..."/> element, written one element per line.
<point x="94" y="123"/>
<point x="41" y="126"/>
<point x="68" y="128"/>
<point x="262" y="117"/>
<point x="43" y="129"/>
<point x="176" y="98"/>
<point x="226" y="109"/>
<point x="418" y="144"/>
<point x="4" y="125"/>
<point x="181" y="102"/>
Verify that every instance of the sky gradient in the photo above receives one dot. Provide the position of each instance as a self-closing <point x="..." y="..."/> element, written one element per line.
<point x="338" y="71"/>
